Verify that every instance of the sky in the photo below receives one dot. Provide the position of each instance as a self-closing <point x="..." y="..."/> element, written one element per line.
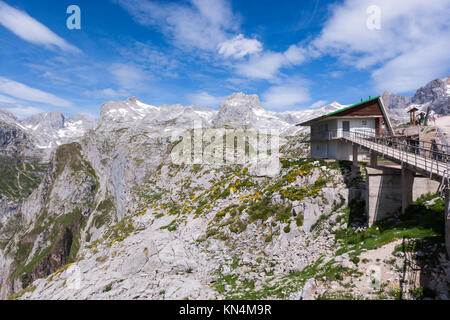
<point x="295" y="54"/>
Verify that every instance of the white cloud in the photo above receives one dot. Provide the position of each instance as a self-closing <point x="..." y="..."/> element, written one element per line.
<point x="290" y="94"/>
<point x="296" y="55"/>
<point x="204" y="99"/>
<point x="264" y="66"/>
<point x="127" y="76"/>
<point x="107" y="93"/>
<point x="24" y="111"/>
<point x="411" y="48"/>
<point x="55" y="78"/>
<point x="211" y="25"/>
<point x="239" y="47"/>
<point x="412" y="70"/>
<point x="31" y="30"/>
<point x="23" y="92"/>
<point x="201" y="24"/>
<point x="151" y="59"/>
<point x="20" y="110"/>
<point x="268" y="64"/>
<point x="336" y="74"/>
<point x="6" y="99"/>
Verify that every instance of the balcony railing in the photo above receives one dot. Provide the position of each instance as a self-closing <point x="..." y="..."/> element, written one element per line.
<point x="339" y="133"/>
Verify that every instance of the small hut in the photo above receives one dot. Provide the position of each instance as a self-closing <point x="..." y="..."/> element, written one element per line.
<point x="412" y="115"/>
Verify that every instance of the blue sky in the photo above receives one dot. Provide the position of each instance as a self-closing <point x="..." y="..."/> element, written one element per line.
<point x="293" y="54"/>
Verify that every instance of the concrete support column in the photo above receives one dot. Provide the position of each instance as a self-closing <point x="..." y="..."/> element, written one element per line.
<point x="407" y="188"/>
<point x="447" y="220"/>
<point x="355" y="156"/>
<point x="373" y="159"/>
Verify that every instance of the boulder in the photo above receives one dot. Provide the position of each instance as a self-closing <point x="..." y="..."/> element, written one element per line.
<point x="309" y="290"/>
<point x="134" y="263"/>
<point x="311" y="214"/>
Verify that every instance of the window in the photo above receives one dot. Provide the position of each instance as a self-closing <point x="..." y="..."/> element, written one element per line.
<point x="346" y="126"/>
<point x="364" y="122"/>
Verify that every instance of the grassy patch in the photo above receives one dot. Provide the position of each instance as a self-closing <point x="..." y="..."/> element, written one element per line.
<point x="264" y="208"/>
<point x="119" y="231"/>
<point x="107" y="208"/>
<point x="22" y="292"/>
<point x="171" y="226"/>
<point x="418" y="221"/>
<point x="108" y="288"/>
<point x="20" y="176"/>
<point x="70" y="154"/>
<point x="281" y="287"/>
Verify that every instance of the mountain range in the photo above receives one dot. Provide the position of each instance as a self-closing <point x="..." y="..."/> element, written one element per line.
<point x="101" y="203"/>
<point x="51" y="129"/>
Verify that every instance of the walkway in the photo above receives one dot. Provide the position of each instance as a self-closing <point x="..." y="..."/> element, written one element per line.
<point x="419" y="156"/>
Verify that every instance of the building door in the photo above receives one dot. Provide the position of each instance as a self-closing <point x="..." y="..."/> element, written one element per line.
<point x="346" y="128"/>
<point x="377" y="127"/>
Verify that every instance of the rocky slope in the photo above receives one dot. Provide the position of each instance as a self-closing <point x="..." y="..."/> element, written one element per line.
<point x="14" y="141"/>
<point x="112" y="215"/>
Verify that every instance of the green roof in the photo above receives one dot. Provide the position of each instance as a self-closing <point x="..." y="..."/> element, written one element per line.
<point x="352" y="106"/>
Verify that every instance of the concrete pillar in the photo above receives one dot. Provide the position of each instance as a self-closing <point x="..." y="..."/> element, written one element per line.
<point x="407" y="188"/>
<point x="423" y="185"/>
<point x="355" y="156"/>
<point x="447" y="220"/>
<point x="383" y="192"/>
<point x="373" y="159"/>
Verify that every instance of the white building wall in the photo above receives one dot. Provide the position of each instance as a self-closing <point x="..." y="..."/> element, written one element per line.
<point x="324" y="126"/>
<point x="319" y="150"/>
<point x="366" y="125"/>
<point x="336" y="149"/>
<point x="340" y="150"/>
<point x="345" y="152"/>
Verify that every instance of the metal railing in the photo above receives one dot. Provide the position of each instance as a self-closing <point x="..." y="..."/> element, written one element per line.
<point x="337" y="133"/>
<point x="428" y="156"/>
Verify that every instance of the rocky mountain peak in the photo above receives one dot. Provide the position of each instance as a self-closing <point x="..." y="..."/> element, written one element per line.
<point x="331" y="107"/>
<point x="392" y="100"/>
<point x="7" y="116"/>
<point x="52" y="120"/>
<point x="47" y="130"/>
<point x="435" y="94"/>
<point x="241" y="100"/>
<point x="130" y="110"/>
<point x="434" y="91"/>
<point x="240" y="109"/>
